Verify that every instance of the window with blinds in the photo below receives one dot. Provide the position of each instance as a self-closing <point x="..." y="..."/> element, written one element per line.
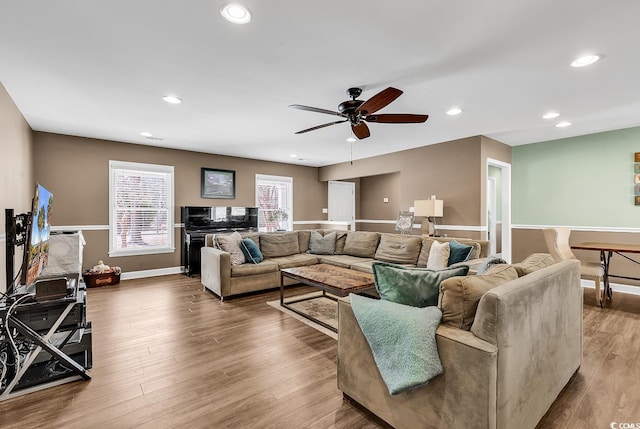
<point x="274" y="199"/>
<point x="141" y="208"/>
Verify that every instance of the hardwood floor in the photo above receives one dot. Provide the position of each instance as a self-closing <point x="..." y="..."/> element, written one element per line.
<point x="167" y="354"/>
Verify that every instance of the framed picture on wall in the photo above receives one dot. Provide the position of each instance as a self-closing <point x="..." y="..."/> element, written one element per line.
<point x="637" y="201"/>
<point x="217" y="183"/>
<point x="637" y="156"/>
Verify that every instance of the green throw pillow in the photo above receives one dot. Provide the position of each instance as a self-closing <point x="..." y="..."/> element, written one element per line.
<point x="251" y="251"/>
<point x="459" y="252"/>
<point x="418" y="287"/>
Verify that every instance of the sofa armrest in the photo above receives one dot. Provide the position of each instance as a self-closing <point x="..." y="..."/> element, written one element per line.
<point x="536" y="323"/>
<point x="215" y="268"/>
<point x="463" y="394"/>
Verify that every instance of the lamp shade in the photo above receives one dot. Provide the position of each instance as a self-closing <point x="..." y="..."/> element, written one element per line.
<point x="428" y="208"/>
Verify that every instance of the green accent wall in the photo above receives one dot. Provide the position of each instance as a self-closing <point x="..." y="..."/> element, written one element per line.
<point x="578" y="181"/>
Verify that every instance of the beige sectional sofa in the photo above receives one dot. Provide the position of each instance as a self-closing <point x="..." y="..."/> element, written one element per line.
<point x="353" y="249"/>
<point x="509" y="341"/>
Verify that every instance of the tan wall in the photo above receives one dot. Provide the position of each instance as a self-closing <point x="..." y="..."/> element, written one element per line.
<point x="16" y="174"/>
<point x="449" y="170"/>
<point x="76" y="170"/>
<point x="528" y="241"/>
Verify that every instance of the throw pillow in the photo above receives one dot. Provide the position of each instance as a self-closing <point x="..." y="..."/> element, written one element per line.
<point x="532" y="263"/>
<point x="417" y="287"/>
<point x="459" y="296"/>
<point x="458" y="252"/>
<point x="251" y="251"/>
<point x="231" y="244"/>
<point x="438" y="256"/>
<point x="320" y="245"/>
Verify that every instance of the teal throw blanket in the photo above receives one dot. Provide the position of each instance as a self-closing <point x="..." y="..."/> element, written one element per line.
<point x="402" y="339"/>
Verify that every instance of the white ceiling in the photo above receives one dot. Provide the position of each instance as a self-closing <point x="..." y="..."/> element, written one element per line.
<point x="99" y="69"/>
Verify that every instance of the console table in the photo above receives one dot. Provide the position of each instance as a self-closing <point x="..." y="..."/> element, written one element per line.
<point x="607" y="250"/>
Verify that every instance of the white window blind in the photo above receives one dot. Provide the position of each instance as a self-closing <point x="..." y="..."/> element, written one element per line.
<point x="141" y="208"/>
<point x="274" y="194"/>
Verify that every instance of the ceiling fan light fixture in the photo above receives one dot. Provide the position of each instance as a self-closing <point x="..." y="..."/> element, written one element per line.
<point x="585" y="60"/>
<point x="550" y="115"/>
<point x="454" y="111"/>
<point x="172" y="99"/>
<point x="563" y="124"/>
<point x="235" y="13"/>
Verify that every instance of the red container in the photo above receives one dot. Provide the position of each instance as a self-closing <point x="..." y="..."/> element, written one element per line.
<point x="104" y="279"/>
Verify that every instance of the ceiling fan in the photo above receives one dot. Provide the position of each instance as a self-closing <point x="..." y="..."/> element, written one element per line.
<point x="358" y="112"/>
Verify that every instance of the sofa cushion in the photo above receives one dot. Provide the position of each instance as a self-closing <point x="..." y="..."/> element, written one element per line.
<point x="533" y="263"/>
<point x="424" y="252"/>
<point x="398" y="249"/>
<point x="254" y="236"/>
<point x="438" y="256"/>
<point x="344" y="261"/>
<point x="264" y="267"/>
<point x="274" y="245"/>
<point x="230" y="243"/>
<point x="361" y="243"/>
<point x="459" y="296"/>
<point x="303" y="240"/>
<point x="459" y="252"/>
<point x="251" y="251"/>
<point x="341" y="239"/>
<point x="298" y="260"/>
<point x="417" y="287"/>
<point x="320" y="245"/>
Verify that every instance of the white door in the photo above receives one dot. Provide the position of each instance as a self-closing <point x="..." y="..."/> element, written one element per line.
<point x="505" y="196"/>
<point x="342" y="202"/>
<point x="492" y="212"/>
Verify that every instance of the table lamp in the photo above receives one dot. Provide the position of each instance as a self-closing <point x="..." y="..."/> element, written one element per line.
<point x="430" y="209"/>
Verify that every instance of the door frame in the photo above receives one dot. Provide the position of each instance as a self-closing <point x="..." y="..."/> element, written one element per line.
<point x="505" y="167"/>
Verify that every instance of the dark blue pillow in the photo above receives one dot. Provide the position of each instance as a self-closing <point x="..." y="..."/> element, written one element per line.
<point x="251" y="251"/>
<point x="459" y="252"/>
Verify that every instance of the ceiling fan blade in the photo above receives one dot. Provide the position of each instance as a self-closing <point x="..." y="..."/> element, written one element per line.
<point x="361" y="130"/>
<point x="316" y="109"/>
<point x="396" y="118"/>
<point x="379" y="101"/>
<point x="317" y="127"/>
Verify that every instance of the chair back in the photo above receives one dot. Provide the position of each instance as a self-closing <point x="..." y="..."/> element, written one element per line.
<point x="557" y="240"/>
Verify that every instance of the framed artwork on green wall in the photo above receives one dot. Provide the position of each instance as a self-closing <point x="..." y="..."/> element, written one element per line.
<point x="637" y="169"/>
<point x="637" y="201"/>
<point x="637" y="156"/>
<point x="637" y="190"/>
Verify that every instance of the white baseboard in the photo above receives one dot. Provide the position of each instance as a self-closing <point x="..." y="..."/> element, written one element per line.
<point x="150" y="273"/>
<point x="616" y="287"/>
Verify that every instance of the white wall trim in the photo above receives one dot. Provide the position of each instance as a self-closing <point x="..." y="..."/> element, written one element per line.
<point x="382" y="221"/>
<point x="324" y="222"/>
<point x="616" y="287"/>
<point x="482" y="228"/>
<point x="151" y="273"/>
<point x="582" y="228"/>
<point x="92" y="227"/>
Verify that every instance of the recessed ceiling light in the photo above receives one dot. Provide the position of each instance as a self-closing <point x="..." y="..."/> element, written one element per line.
<point x="146" y="134"/>
<point x="293" y="155"/>
<point x="235" y="13"/>
<point x="454" y="111"/>
<point x="586" y="60"/>
<point x="351" y="139"/>
<point x="550" y="115"/>
<point x="172" y="99"/>
<point x="563" y="124"/>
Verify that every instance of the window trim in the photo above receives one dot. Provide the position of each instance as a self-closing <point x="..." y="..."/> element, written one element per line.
<point x="281" y="179"/>
<point x="144" y="168"/>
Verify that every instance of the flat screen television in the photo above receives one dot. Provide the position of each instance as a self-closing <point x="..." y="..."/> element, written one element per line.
<point x="36" y="252"/>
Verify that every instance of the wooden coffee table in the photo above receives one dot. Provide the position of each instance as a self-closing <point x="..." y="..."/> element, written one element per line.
<point x="337" y="281"/>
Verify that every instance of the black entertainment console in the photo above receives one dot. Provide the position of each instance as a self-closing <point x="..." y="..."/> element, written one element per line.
<point x="45" y="338"/>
